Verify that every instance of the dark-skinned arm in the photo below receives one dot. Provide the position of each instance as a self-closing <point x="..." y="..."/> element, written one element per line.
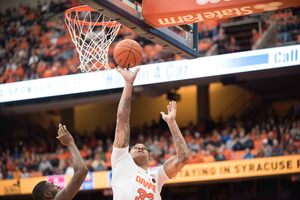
<point x="80" y="168"/>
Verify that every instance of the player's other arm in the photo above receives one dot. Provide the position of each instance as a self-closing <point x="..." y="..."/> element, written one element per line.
<point x="122" y="133"/>
<point x="80" y="169"/>
<point x="175" y="163"/>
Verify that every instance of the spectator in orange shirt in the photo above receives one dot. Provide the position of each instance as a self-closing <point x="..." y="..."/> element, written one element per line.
<point x="194" y="157"/>
<point x="207" y="157"/>
<point x="48" y="72"/>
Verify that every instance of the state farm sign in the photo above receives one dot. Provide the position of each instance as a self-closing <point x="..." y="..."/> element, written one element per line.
<point x="203" y="2"/>
<point x="218" y="14"/>
<point x="177" y="12"/>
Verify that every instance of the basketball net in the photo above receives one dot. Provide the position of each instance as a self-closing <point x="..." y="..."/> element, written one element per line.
<point x="92" y="33"/>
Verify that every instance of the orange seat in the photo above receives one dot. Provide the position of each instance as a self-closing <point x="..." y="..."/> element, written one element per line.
<point x="237" y="155"/>
<point x="258" y="143"/>
<point x="35" y="174"/>
<point x="227" y="154"/>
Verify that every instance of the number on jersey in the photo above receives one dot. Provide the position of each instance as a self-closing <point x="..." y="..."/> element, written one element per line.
<point x="142" y="195"/>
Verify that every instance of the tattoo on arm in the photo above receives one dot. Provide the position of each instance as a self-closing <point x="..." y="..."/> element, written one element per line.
<point x="181" y="148"/>
<point x="174" y="164"/>
<point x="122" y="140"/>
<point x="122" y="134"/>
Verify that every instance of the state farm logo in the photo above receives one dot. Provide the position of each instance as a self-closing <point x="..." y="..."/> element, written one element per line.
<point x="203" y="2"/>
<point x="218" y="11"/>
<point x="268" y="6"/>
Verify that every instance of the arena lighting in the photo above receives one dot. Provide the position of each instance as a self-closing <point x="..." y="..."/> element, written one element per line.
<point x="154" y="73"/>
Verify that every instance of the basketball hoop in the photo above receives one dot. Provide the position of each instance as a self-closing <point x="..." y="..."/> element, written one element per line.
<point x="92" y="33"/>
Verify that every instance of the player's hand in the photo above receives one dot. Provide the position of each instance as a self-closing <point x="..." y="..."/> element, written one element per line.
<point x="129" y="76"/>
<point x="172" y="110"/>
<point x="64" y="136"/>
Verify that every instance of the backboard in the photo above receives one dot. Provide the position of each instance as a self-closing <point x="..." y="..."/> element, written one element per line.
<point x="129" y="14"/>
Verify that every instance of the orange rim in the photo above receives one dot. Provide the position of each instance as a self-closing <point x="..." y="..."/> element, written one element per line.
<point x="86" y="8"/>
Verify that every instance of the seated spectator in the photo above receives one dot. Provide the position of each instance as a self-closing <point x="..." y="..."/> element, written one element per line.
<point x="9" y="175"/>
<point x="295" y="130"/>
<point x="232" y="46"/>
<point x="220" y="154"/>
<point x="215" y="139"/>
<point x="245" y="140"/>
<point x="45" y="166"/>
<point x="98" y="164"/>
<point x="225" y="136"/>
<point x="277" y="149"/>
<point x="153" y="162"/>
<point x="25" y="173"/>
<point x="248" y="154"/>
<point x="207" y="157"/>
<point x="266" y="148"/>
<point x="221" y="40"/>
<point x="238" y="145"/>
<point x="194" y="157"/>
<point x="232" y="141"/>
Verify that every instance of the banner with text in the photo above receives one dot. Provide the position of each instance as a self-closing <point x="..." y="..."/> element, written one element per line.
<point x="238" y="169"/>
<point x="160" y="13"/>
<point x="154" y="73"/>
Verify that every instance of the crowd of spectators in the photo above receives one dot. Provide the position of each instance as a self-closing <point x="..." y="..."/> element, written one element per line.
<point x="288" y="25"/>
<point x="37" y="153"/>
<point x="35" y="43"/>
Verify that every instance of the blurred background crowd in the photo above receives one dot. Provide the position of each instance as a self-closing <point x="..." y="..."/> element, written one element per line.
<point x="29" y="150"/>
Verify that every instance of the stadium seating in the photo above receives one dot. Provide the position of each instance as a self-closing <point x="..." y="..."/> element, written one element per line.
<point x="35" y="152"/>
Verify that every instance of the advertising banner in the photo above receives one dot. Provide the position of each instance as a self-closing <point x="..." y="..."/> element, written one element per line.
<point x="238" y="169"/>
<point x="177" y="12"/>
<point x="59" y="180"/>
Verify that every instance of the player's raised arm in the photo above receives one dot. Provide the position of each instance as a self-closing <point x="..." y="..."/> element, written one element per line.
<point x="175" y="163"/>
<point x="122" y="133"/>
<point x="80" y="169"/>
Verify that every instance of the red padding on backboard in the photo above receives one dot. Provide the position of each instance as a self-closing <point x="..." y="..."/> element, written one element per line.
<point x="160" y="13"/>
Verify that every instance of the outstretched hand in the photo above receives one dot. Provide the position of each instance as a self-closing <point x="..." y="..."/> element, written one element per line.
<point x="172" y="110"/>
<point x="128" y="75"/>
<point x="64" y="136"/>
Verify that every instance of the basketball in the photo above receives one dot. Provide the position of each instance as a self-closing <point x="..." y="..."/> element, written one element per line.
<point x="128" y="53"/>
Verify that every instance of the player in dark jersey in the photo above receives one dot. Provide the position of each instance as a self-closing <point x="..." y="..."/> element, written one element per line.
<point x="48" y="191"/>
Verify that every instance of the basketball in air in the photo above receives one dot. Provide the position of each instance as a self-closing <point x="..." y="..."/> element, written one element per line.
<point x="128" y="53"/>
